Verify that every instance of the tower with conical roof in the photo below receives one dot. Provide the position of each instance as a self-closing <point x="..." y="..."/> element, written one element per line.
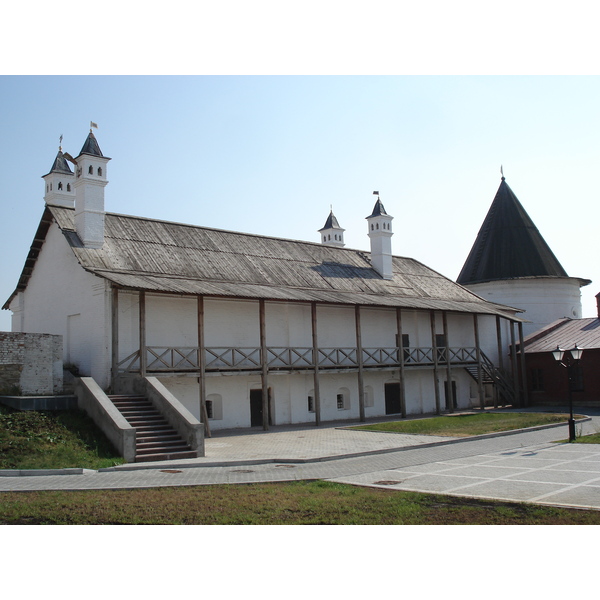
<point x="380" y="234"/>
<point x="90" y="181"/>
<point x="59" y="182"/>
<point x="331" y="233"/>
<point x="511" y="263"/>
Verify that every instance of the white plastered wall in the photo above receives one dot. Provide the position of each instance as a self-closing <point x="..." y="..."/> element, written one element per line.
<point x="62" y="298"/>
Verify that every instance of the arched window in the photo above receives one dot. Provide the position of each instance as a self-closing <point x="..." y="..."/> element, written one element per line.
<point x="60" y="185"/>
<point x="343" y="399"/>
<point x="91" y="170"/>
<point x="68" y="187"/>
<point x="372" y="227"/>
<point x="377" y="225"/>
<point x="329" y="237"/>
<point x="214" y="407"/>
<point x="100" y="171"/>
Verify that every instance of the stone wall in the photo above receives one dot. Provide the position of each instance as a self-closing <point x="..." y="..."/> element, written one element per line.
<point x="30" y="363"/>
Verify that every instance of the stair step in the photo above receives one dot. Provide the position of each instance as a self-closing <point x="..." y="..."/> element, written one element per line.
<point x="168" y="437"/>
<point x="162" y="449"/>
<point x="161" y="444"/>
<point x="166" y="456"/>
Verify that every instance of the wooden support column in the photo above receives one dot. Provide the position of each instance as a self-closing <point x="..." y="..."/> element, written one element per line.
<point x="524" y="395"/>
<point x="401" y="362"/>
<point x="264" y="366"/>
<point x="438" y="409"/>
<point x="514" y="366"/>
<point x="142" y="315"/>
<point x="202" y="367"/>
<point x="500" y="360"/>
<point x="499" y="338"/>
<point x="114" y="336"/>
<point x="359" y="360"/>
<point x="480" y="389"/>
<point x="317" y="398"/>
<point x="449" y="391"/>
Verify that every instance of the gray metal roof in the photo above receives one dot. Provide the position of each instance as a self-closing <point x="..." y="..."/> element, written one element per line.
<point x="91" y="146"/>
<point x="331" y="223"/>
<point x="565" y="333"/>
<point x="162" y="256"/>
<point x="378" y="209"/>
<point x="60" y="165"/>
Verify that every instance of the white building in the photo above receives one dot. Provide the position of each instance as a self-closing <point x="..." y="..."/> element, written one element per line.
<point x="257" y="330"/>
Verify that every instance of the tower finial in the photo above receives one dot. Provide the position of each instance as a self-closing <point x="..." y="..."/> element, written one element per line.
<point x="60" y="143"/>
<point x="502" y="172"/>
<point x="94" y="125"/>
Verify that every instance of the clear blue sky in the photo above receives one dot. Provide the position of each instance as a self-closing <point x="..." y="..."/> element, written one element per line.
<point x="270" y="154"/>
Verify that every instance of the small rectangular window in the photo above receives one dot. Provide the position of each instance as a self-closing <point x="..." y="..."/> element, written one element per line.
<point x="209" y="409"/>
<point x="340" y="401"/>
<point x="537" y="380"/>
<point x="311" y="404"/>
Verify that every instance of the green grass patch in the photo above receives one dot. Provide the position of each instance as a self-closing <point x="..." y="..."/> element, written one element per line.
<point x="465" y="425"/>
<point x="53" y="440"/>
<point x="291" y="503"/>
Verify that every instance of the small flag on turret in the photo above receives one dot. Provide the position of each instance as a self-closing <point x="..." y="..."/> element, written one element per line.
<point x="375" y="193"/>
<point x="92" y="124"/>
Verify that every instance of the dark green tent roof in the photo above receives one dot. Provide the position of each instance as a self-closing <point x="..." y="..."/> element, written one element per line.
<point x="508" y="245"/>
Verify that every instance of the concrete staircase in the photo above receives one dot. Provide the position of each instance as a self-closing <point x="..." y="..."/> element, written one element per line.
<point x="155" y="438"/>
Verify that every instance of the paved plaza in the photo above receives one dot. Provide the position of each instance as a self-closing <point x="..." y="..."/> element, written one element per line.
<point x="528" y="466"/>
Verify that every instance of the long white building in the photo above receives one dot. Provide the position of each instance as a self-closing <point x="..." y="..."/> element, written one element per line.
<point x="249" y="330"/>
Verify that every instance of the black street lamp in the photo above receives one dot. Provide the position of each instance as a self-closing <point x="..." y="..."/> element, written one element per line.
<point x="562" y="356"/>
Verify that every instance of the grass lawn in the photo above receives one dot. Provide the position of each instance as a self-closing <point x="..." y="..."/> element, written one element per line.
<point x="52" y="440"/>
<point x="465" y="425"/>
<point x="295" y="503"/>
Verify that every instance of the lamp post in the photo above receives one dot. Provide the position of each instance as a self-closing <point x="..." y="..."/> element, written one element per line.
<point x="568" y="359"/>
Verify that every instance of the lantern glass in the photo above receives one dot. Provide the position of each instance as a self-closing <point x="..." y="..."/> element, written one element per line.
<point x="558" y="354"/>
<point x="576" y="353"/>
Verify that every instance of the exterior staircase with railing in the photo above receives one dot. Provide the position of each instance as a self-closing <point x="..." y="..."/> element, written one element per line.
<point x="493" y="375"/>
<point x="156" y="439"/>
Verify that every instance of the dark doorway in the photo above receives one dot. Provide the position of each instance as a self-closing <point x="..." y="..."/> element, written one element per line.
<point x="454" y="403"/>
<point x="392" y="399"/>
<point x="256" y="408"/>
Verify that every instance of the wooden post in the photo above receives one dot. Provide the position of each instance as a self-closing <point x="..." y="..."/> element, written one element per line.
<point x="359" y="359"/>
<point x="142" y="315"/>
<point x="401" y="361"/>
<point x="264" y="365"/>
<point x="524" y="396"/>
<point x="500" y="349"/>
<point x="115" y="336"/>
<point x="317" y="399"/>
<point x="438" y="409"/>
<point x="480" y="390"/>
<point x="500" y="361"/>
<point x="513" y="356"/>
<point x="449" y="390"/>
<point x="202" y="367"/>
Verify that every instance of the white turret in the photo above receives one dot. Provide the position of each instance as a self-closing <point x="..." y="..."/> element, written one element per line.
<point x="59" y="182"/>
<point x="331" y="233"/>
<point x="90" y="181"/>
<point x="380" y="234"/>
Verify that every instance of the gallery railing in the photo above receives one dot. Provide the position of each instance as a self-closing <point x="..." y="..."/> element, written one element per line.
<point x="177" y="360"/>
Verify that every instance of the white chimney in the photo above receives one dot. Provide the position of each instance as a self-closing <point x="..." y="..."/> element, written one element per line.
<point x="380" y="234"/>
<point x="90" y="181"/>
